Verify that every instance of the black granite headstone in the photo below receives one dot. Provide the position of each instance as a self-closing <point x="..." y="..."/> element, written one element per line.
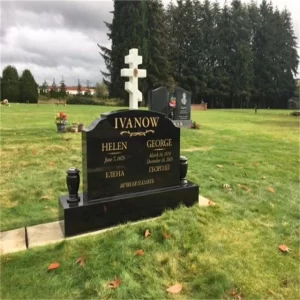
<point x="158" y="100"/>
<point x="131" y="169"/>
<point x="129" y="152"/>
<point x="183" y="104"/>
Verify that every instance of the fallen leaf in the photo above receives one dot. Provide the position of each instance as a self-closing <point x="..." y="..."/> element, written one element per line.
<point x="147" y="233"/>
<point x="52" y="163"/>
<point x="271" y="292"/>
<point x="175" y="289"/>
<point x="227" y="187"/>
<point x="166" y="235"/>
<point x="263" y="177"/>
<point x="140" y="252"/>
<point x="233" y="292"/>
<point x="81" y="261"/>
<point x="270" y="189"/>
<point x="53" y="266"/>
<point x="45" y="198"/>
<point x="211" y="203"/>
<point x="219" y="166"/>
<point x="239" y="297"/>
<point x="244" y="187"/>
<point x="284" y="248"/>
<point x="114" y="284"/>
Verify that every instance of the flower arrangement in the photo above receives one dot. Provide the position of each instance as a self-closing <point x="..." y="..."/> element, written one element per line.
<point x="172" y="102"/>
<point x="61" y="118"/>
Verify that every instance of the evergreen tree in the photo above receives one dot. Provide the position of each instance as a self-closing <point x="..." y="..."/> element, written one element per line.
<point x="221" y="71"/>
<point x="125" y="33"/>
<point x="10" y="85"/>
<point x="141" y="25"/>
<point x="155" y="42"/>
<point x="88" y="89"/>
<point x="62" y="89"/>
<point x="264" y="47"/>
<point x="78" y="88"/>
<point x="240" y="55"/>
<point x="286" y="60"/>
<point x="53" y="91"/>
<point x="29" y="88"/>
<point x="44" y="88"/>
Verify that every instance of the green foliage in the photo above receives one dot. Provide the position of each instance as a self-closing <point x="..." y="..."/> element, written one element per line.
<point x="88" y="92"/>
<point x="101" y="90"/>
<point x="62" y="93"/>
<point x="138" y="24"/>
<point x="10" y="84"/>
<point x="44" y="88"/>
<point x="29" y="88"/>
<point x="79" y="88"/>
<point x="240" y="55"/>
<point x="54" y="91"/>
<point x="87" y="100"/>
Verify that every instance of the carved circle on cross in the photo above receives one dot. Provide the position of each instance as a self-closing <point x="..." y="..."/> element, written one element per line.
<point x="135" y="72"/>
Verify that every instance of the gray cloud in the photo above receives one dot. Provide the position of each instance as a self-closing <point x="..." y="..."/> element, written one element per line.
<point x="55" y="38"/>
<point x="83" y="15"/>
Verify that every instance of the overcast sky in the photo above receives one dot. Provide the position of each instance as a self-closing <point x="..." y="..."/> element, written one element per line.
<point x="59" y="38"/>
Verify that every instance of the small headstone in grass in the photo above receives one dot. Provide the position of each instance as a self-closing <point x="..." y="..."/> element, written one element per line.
<point x="131" y="167"/>
<point x="175" y="105"/>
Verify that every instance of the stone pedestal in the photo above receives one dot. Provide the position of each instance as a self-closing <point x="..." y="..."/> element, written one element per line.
<point x="99" y="214"/>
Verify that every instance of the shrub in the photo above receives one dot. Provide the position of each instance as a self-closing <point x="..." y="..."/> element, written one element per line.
<point x="295" y="113"/>
<point x="195" y="125"/>
<point x="94" y="101"/>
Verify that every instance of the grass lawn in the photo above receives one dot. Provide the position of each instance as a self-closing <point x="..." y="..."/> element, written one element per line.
<point x="215" y="252"/>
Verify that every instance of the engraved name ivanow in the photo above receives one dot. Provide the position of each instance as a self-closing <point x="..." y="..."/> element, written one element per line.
<point x="137" y="122"/>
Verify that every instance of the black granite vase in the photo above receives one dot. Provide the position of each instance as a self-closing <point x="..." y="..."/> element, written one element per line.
<point x="73" y="180"/>
<point x="183" y="170"/>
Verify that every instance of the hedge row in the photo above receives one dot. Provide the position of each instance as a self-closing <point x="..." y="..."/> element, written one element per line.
<point x="94" y="101"/>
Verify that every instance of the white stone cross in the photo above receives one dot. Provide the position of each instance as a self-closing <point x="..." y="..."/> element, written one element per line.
<point x="131" y="86"/>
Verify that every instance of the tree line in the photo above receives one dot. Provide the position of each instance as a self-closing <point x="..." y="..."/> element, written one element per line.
<point x="24" y="89"/>
<point x="240" y="55"/>
<point x="21" y="89"/>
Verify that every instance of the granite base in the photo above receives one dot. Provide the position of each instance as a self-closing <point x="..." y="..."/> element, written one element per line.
<point x="99" y="214"/>
<point x="182" y="123"/>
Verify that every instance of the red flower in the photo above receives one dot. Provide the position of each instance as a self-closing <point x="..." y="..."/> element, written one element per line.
<point x="172" y="103"/>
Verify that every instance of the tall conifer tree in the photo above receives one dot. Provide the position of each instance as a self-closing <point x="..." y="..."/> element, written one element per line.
<point x="29" y="88"/>
<point x="10" y="85"/>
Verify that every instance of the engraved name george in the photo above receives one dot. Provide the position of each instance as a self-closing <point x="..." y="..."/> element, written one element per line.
<point x="162" y="168"/>
<point x="159" y="143"/>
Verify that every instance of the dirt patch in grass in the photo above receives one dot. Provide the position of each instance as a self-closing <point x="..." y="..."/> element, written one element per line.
<point x="7" y="200"/>
<point x="192" y="149"/>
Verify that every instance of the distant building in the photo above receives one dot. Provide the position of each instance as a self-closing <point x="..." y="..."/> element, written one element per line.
<point x="71" y="90"/>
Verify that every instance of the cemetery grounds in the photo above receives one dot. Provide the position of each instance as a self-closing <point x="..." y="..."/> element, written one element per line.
<point x="247" y="164"/>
